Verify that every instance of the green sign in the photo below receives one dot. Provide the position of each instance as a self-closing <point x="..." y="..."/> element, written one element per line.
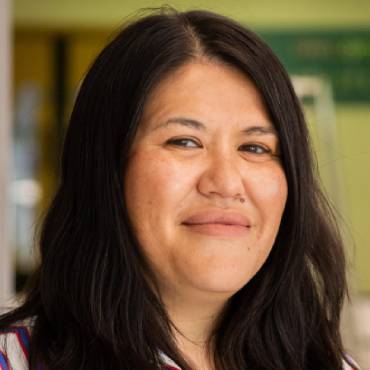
<point x="341" y="56"/>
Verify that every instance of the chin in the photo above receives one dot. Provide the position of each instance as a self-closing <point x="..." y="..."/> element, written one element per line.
<point x="226" y="281"/>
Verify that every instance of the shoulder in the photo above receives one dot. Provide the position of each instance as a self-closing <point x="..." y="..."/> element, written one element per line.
<point x="14" y="345"/>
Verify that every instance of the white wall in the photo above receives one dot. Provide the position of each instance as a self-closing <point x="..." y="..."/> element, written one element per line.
<point x="6" y="265"/>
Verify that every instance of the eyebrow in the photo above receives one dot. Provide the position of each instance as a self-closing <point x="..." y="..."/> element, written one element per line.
<point x="192" y="123"/>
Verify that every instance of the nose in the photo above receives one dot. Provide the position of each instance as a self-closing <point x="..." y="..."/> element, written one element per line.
<point x="221" y="177"/>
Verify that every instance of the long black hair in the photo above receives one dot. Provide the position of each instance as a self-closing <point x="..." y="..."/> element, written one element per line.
<point x="90" y="300"/>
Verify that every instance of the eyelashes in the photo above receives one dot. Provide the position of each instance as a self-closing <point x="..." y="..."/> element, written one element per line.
<point x="189" y="143"/>
<point x="256" y="149"/>
<point x="181" y="143"/>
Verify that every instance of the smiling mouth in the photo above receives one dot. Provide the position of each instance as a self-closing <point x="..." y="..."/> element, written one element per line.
<point x="219" y="229"/>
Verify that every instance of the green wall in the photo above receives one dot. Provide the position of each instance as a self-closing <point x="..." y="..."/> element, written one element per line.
<point x="349" y="155"/>
<point x="353" y="156"/>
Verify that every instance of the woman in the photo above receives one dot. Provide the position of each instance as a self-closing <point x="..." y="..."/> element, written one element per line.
<point x="188" y="230"/>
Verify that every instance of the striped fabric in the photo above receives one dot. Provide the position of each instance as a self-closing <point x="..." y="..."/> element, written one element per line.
<point x="15" y="344"/>
<point x="14" y="348"/>
<point x="4" y="363"/>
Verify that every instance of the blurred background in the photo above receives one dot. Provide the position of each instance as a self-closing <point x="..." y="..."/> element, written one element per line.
<point x="46" y="47"/>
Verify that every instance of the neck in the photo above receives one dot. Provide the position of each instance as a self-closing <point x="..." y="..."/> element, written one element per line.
<point x="193" y="318"/>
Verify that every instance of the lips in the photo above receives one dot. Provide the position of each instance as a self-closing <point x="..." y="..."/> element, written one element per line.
<point x="218" y="217"/>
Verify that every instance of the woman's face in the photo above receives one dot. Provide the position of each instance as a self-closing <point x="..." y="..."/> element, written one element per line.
<point x="204" y="141"/>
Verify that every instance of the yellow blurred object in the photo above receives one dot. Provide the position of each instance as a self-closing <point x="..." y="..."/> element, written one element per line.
<point x="69" y="14"/>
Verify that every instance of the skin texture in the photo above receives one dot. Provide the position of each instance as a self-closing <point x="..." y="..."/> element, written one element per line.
<point x="167" y="182"/>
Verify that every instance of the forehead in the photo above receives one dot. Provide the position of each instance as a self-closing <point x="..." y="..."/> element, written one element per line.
<point x="211" y="92"/>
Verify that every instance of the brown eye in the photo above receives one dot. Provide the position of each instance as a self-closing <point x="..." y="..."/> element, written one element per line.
<point x="184" y="142"/>
<point x="256" y="149"/>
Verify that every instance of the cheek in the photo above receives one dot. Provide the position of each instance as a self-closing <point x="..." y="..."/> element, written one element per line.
<point x="270" y="190"/>
<point x="154" y="188"/>
<point x="144" y="179"/>
<point x="271" y="196"/>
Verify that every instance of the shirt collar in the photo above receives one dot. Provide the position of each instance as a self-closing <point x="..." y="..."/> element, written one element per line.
<point x="168" y="362"/>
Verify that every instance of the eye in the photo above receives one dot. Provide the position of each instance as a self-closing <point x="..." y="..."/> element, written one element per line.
<point x="255" y="148"/>
<point x="184" y="142"/>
